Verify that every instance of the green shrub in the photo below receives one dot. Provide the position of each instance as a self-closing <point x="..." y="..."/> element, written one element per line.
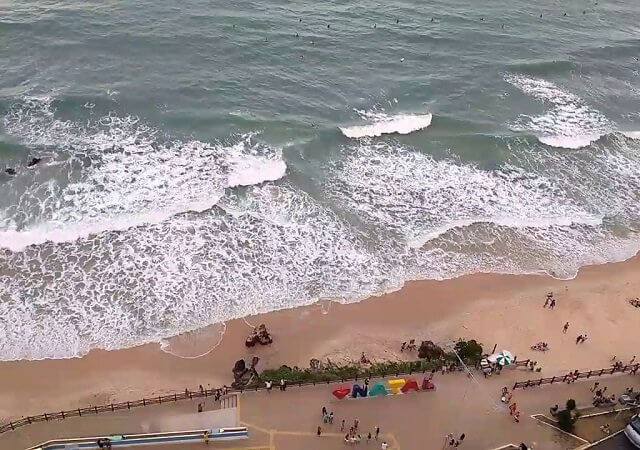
<point x="469" y="351"/>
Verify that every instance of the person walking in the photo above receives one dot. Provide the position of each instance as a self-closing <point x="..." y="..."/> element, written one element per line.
<point x="377" y="432"/>
<point x="324" y="411"/>
<point x="269" y="385"/>
<point x="565" y="327"/>
<point x="205" y="437"/>
<point x="552" y="304"/>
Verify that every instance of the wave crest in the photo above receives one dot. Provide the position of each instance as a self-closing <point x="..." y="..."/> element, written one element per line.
<point x="381" y="123"/>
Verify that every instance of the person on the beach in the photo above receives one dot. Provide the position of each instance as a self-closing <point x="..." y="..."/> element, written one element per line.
<point x="319" y="432"/>
<point x="578" y="339"/>
<point x="584" y="338"/>
<point x="324" y="411"/>
<point x="369" y="437"/>
<point x="199" y="407"/>
<point x="205" y="437"/>
<point x="377" y="432"/>
<point x="403" y="346"/>
<point x="269" y="385"/>
<point x="565" y="327"/>
<point x="356" y="422"/>
<point x="346" y="439"/>
<point x="512" y="408"/>
<point x="384" y="445"/>
<point x="342" y="426"/>
<point x="595" y="386"/>
<point x="516" y="416"/>
<point x="331" y="417"/>
<point x="552" y="304"/>
<point x="632" y="360"/>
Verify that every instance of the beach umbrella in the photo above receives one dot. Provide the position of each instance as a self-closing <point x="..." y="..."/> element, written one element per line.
<point x="504" y="358"/>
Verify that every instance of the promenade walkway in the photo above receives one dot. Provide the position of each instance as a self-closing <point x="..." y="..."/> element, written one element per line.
<point x="288" y="420"/>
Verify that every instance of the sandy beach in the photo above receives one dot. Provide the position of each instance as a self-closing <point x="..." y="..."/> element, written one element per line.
<point x="502" y="310"/>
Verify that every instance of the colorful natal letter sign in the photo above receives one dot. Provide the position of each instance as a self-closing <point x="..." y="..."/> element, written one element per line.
<point x="396" y="386"/>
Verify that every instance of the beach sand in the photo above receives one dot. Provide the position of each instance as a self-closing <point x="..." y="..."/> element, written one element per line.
<point x="502" y="310"/>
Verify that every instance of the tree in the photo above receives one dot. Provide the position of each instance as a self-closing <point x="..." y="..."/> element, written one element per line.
<point x="470" y="351"/>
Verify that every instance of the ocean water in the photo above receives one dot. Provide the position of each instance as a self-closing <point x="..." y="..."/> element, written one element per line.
<point x="202" y="161"/>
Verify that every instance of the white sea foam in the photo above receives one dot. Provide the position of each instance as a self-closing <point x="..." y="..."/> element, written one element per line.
<point x="632" y="134"/>
<point x="279" y="248"/>
<point x="121" y="173"/>
<point x="413" y="194"/>
<point x="456" y="218"/>
<point x="569" y="142"/>
<point x="569" y="123"/>
<point x="380" y="123"/>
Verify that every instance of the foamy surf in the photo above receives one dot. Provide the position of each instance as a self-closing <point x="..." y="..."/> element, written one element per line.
<point x="632" y="134"/>
<point x="568" y="123"/>
<point x="121" y="173"/>
<point x="384" y="124"/>
<point x="570" y="142"/>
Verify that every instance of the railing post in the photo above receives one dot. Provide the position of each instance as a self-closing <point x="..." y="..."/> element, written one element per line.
<point x="159" y="399"/>
<point x="144" y="402"/>
<point x="62" y="412"/>
<point x="29" y="419"/>
<point x="175" y="397"/>
<point x="128" y="405"/>
<point x="553" y="379"/>
<point x="96" y="409"/>
<point x="11" y="425"/>
<point x="601" y="372"/>
<point x="111" y="407"/>
<point x="45" y="417"/>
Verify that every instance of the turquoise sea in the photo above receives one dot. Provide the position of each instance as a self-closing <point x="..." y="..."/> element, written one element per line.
<point x="167" y="165"/>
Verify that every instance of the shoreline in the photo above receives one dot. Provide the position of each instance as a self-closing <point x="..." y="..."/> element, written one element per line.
<point x="499" y="309"/>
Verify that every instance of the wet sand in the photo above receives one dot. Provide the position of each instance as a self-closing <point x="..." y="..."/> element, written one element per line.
<point x="505" y="310"/>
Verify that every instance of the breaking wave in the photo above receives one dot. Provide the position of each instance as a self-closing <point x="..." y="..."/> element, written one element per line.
<point x="117" y="172"/>
<point x="569" y="122"/>
<point x="380" y="123"/>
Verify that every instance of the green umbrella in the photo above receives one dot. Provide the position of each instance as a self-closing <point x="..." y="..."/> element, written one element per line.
<point x="504" y="358"/>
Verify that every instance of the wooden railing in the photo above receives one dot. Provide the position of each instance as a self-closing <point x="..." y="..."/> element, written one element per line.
<point x="188" y="395"/>
<point x="570" y="377"/>
<point x="183" y="395"/>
